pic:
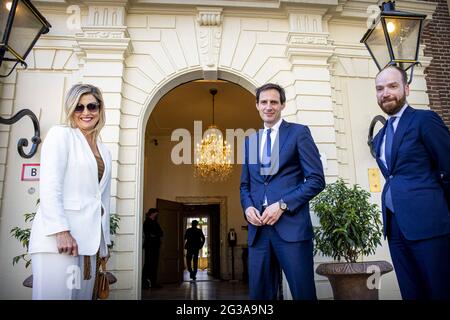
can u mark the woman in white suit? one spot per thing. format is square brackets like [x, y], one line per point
[72, 222]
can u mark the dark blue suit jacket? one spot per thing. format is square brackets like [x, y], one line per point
[419, 174]
[298, 179]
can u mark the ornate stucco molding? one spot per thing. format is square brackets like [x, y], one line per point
[308, 38]
[305, 38]
[209, 37]
[105, 30]
[209, 17]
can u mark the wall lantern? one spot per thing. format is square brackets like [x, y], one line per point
[393, 39]
[21, 25]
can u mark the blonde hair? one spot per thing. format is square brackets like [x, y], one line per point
[72, 99]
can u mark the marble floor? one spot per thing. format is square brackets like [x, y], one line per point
[204, 288]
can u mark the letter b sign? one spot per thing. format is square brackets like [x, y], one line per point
[30, 172]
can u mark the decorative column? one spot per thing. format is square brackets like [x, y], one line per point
[209, 36]
[103, 46]
[309, 50]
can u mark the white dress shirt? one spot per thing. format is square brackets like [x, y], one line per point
[395, 124]
[273, 134]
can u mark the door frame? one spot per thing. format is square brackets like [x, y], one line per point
[222, 201]
[213, 232]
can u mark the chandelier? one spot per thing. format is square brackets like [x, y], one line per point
[213, 162]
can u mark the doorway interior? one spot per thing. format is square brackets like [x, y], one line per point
[165, 178]
[208, 216]
[174, 218]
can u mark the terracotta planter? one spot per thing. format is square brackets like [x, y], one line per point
[349, 280]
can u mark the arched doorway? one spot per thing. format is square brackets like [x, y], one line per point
[163, 179]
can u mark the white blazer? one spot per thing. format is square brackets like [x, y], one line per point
[71, 197]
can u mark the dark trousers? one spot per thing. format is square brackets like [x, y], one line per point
[151, 261]
[422, 266]
[192, 255]
[267, 254]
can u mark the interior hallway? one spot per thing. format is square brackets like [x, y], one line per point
[204, 288]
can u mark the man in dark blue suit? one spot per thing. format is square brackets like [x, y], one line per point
[282, 171]
[413, 153]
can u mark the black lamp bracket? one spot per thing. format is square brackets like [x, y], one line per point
[35, 140]
[370, 136]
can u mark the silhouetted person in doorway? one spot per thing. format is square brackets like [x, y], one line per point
[195, 239]
[152, 243]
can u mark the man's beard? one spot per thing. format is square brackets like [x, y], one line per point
[392, 108]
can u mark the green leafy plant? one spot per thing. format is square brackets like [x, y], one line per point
[350, 226]
[23, 235]
[114, 220]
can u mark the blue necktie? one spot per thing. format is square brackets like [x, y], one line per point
[267, 151]
[265, 161]
[388, 156]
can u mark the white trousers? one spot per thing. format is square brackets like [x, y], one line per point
[60, 277]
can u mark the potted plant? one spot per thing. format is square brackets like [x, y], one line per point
[350, 228]
[23, 235]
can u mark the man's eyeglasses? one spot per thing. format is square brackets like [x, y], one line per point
[92, 107]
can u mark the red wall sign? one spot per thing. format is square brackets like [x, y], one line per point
[30, 172]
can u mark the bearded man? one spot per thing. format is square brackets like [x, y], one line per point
[413, 153]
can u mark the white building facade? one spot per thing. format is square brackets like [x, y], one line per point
[136, 51]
